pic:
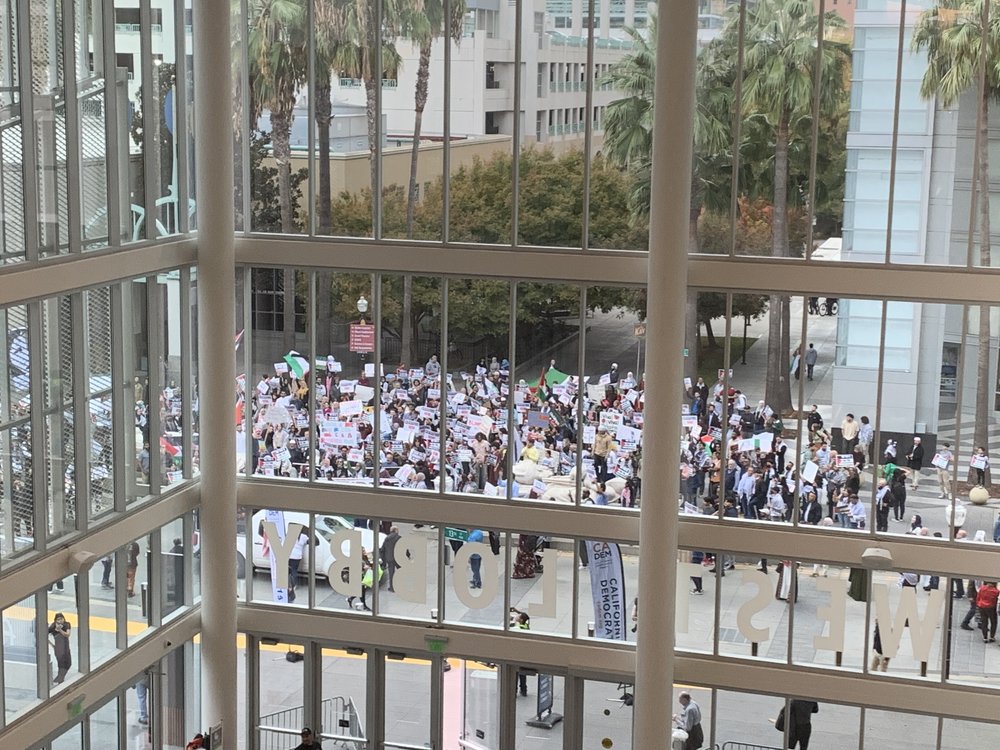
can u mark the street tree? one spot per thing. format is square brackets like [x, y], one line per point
[962, 40]
[780, 58]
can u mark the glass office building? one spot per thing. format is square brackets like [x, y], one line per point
[426, 459]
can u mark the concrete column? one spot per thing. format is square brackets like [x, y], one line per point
[213, 106]
[668, 247]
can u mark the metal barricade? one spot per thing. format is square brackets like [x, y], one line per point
[339, 716]
[746, 746]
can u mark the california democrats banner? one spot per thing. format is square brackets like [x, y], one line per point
[279, 581]
[607, 586]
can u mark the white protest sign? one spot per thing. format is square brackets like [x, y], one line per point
[351, 408]
[343, 433]
[348, 386]
[589, 433]
[356, 456]
[364, 393]
[809, 471]
[611, 419]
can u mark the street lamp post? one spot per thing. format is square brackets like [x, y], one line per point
[362, 305]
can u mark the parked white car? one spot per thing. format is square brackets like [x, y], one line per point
[325, 527]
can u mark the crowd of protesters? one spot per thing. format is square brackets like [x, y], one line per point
[485, 446]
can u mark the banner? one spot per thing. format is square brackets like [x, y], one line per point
[607, 587]
[279, 582]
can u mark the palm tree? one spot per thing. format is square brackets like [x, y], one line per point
[962, 39]
[780, 56]
[276, 42]
[426, 23]
[277, 54]
[628, 141]
[357, 57]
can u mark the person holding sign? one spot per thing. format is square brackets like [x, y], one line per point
[942, 462]
[980, 462]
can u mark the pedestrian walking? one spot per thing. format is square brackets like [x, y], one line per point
[810, 357]
[915, 461]
[986, 603]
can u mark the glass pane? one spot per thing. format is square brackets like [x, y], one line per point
[64, 630]
[607, 715]
[407, 702]
[536, 717]
[547, 370]
[409, 557]
[138, 573]
[104, 723]
[345, 337]
[615, 381]
[282, 354]
[138, 704]
[138, 442]
[599, 578]
[344, 692]
[478, 371]
[474, 588]
[172, 554]
[478, 693]
[410, 346]
[895, 731]
[20, 662]
[100, 457]
[278, 126]
[281, 694]
[103, 605]
[169, 359]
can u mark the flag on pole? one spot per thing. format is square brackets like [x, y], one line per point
[238, 339]
[297, 364]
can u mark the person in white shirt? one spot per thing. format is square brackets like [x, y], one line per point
[856, 513]
[295, 560]
[942, 462]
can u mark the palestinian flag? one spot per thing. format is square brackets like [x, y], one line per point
[297, 364]
[169, 448]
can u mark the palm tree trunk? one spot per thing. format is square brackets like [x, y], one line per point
[419, 103]
[983, 385]
[324, 224]
[778, 391]
[370, 101]
[281, 126]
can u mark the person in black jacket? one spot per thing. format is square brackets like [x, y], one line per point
[915, 461]
[800, 722]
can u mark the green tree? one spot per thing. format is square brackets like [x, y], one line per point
[962, 39]
[777, 93]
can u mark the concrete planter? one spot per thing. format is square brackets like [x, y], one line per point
[979, 495]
